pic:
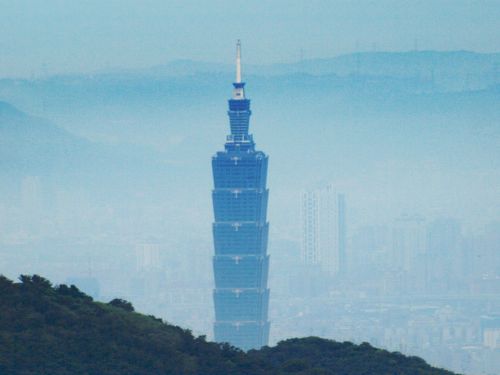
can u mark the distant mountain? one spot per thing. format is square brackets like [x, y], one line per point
[32, 146]
[18, 125]
[395, 63]
[173, 68]
[60, 330]
[453, 70]
[190, 82]
[152, 134]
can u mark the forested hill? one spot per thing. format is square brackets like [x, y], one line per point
[52, 330]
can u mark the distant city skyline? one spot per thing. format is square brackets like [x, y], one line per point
[127, 184]
[58, 37]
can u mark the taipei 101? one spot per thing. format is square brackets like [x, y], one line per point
[254, 188]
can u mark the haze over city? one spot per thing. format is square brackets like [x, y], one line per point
[381, 121]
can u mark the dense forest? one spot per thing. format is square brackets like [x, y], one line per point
[52, 330]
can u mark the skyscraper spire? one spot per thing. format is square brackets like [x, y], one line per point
[240, 230]
[238, 91]
[238, 61]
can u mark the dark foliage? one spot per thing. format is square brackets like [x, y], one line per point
[122, 304]
[46, 329]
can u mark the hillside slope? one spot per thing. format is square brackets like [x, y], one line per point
[47, 329]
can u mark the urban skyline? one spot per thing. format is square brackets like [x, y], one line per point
[106, 179]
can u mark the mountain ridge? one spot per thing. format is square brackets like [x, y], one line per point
[46, 329]
[189, 66]
[319, 66]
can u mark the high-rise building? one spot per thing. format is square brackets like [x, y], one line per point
[444, 249]
[369, 255]
[490, 327]
[240, 231]
[409, 257]
[324, 230]
[147, 257]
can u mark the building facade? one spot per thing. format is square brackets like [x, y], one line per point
[323, 230]
[240, 231]
[409, 258]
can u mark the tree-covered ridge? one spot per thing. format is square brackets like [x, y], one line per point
[52, 330]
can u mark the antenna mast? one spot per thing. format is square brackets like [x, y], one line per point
[238, 61]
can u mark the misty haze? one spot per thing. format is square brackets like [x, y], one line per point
[383, 175]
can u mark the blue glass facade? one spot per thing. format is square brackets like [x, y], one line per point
[240, 231]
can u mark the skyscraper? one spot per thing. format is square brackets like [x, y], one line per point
[323, 230]
[240, 230]
[444, 252]
[409, 253]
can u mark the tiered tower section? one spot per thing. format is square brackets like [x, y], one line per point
[240, 230]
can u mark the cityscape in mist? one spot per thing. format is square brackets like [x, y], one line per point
[383, 177]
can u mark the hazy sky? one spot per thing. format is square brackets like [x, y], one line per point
[49, 36]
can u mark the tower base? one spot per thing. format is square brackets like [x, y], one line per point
[244, 335]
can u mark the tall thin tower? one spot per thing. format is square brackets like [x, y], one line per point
[240, 230]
